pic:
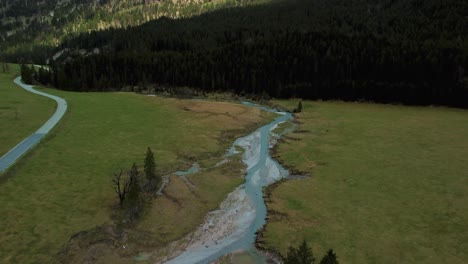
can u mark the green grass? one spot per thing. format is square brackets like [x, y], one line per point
[171, 219]
[168, 218]
[389, 184]
[21, 112]
[64, 185]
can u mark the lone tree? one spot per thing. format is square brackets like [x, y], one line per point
[329, 258]
[150, 169]
[302, 255]
[298, 109]
[121, 186]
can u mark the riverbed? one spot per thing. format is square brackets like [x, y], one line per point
[232, 228]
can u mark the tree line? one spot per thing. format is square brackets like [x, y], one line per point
[303, 255]
[31, 75]
[340, 50]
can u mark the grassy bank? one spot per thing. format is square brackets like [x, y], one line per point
[21, 112]
[64, 185]
[389, 184]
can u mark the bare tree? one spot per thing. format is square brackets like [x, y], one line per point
[122, 186]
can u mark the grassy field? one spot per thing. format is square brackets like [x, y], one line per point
[179, 211]
[172, 218]
[21, 112]
[388, 184]
[64, 185]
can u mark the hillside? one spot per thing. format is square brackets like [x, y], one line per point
[31, 29]
[411, 52]
[165, 152]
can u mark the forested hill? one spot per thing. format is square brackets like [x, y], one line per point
[30, 29]
[407, 51]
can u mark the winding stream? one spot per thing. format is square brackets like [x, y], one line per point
[232, 227]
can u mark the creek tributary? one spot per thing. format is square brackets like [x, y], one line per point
[232, 228]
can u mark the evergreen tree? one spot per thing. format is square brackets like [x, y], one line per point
[291, 257]
[133, 196]
[150, 169]
[301, 255]
[33, 73]
[4, 67]
[26, 74]
[304, 254]
[298, 108]
[43, 76]
[329, 258]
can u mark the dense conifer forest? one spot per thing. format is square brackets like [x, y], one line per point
[30, 30]
[390, 51]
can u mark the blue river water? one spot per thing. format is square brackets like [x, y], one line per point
[232, 228]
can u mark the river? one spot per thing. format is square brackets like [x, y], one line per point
[232, 228]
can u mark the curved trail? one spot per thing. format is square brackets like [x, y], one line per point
[28, 143]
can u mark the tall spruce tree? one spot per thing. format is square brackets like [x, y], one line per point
[301, 255]
[150, 169]
[291, 257]
[329, 258]
[304, 254]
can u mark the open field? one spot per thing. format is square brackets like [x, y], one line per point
[21, 112]
[172, 218]
[389, 184]
[64, 185]
[182, 208]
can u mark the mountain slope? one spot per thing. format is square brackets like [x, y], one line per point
[30, 28]
[384, 51]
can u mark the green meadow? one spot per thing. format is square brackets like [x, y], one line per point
[387, 184]
[64, 185]
[21, 112]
